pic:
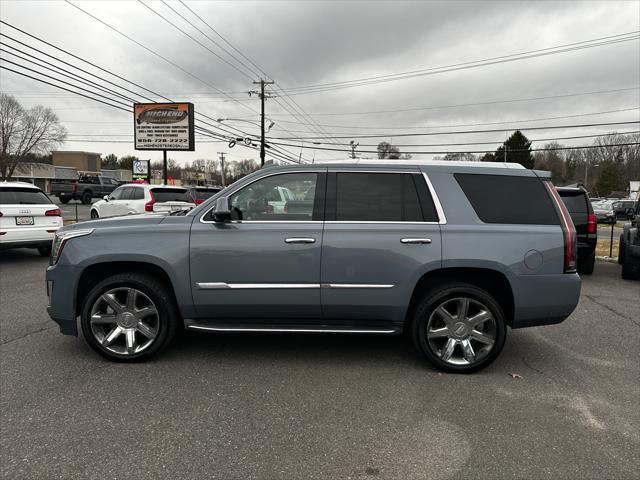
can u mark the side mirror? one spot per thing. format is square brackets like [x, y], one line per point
[106, 198]
[221, 212]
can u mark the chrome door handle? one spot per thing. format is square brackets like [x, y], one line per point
[415, 240]
[299, 240]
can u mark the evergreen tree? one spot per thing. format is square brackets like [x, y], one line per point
[518, 150]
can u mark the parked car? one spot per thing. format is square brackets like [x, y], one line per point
[629, 246]
[86, 188]
[449, 252]
[142, 198]
[604, 211]
[28, 218]
[623, 209]
[200, 194]
[584, 220]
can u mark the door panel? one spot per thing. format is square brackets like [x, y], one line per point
[248, 271]
[381, 234]
[264, 266]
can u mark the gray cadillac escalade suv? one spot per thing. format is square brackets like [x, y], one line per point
[451, 253]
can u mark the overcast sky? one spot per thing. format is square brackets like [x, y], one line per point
[307, 43]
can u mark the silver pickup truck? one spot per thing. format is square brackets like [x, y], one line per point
[450, 253]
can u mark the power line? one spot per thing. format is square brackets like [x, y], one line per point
[158, 55]
[462, 132]
[474, 104]
[612, 39]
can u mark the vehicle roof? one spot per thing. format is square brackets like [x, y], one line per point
[19, 184]
[411, 162]
[150, 186]
[571, 189]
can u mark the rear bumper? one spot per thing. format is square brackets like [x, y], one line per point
[31, 237]
[544, 299]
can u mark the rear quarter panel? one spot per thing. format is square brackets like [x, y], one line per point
[530, 256]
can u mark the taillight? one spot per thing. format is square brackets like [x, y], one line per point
[568, 231]
[75, 187]
[148, 207]
[53, 213]
[592, 224]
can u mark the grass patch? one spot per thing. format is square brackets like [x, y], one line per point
[602, 247]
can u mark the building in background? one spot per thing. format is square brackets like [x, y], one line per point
[634, 189]
[119, 174]
[81, 161]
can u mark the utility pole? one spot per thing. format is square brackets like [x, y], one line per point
[222, 154]
[261, 94]
[353, 148]
[164, 166]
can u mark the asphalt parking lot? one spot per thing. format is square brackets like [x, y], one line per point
[74, 210]
[320, 407]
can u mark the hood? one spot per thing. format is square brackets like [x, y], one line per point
[125, 221]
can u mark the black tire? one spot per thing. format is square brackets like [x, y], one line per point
[94, 214]
[434, 298]
[621, 250]
[160, 295]
[45, 251]
[64, 200]
[630, 268]
[586, 265]
[86, 198]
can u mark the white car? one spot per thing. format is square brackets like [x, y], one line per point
[137, 198]
[28, 218]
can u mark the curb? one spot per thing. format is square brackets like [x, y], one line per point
[607, 259]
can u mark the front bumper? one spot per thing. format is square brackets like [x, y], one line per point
[61, 292]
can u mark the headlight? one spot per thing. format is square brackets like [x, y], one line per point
[61, 238]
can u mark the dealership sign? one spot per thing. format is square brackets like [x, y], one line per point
[163, 126]
[141, 171]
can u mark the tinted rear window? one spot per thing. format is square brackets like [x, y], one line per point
[377, 197]
[204, 193]
[576, 202]
[171, 195]
[22, 196]
[508, 199]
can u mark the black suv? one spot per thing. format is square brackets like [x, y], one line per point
[581, 211]
[629, 253]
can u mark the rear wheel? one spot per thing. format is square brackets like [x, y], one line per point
[44, 251]
[587, 265]
[459, 328]
[128, 317]
[86, 198]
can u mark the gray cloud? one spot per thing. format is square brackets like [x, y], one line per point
[305, 43]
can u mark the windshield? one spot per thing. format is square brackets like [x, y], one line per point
[204, 193]
[171, 195]
[22, 196]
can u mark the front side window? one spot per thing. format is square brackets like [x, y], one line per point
[265, 199]
[382, 197]
[116, 194]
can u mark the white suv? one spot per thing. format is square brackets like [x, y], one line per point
[136, 198]
[28, 218]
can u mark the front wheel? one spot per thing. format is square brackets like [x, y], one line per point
[86, 198]
[128, 317]
[459, 328]
[94, 214]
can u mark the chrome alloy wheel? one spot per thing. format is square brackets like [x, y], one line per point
[461, 331]
[124, 321]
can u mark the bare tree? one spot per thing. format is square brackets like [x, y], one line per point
[24, 132]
